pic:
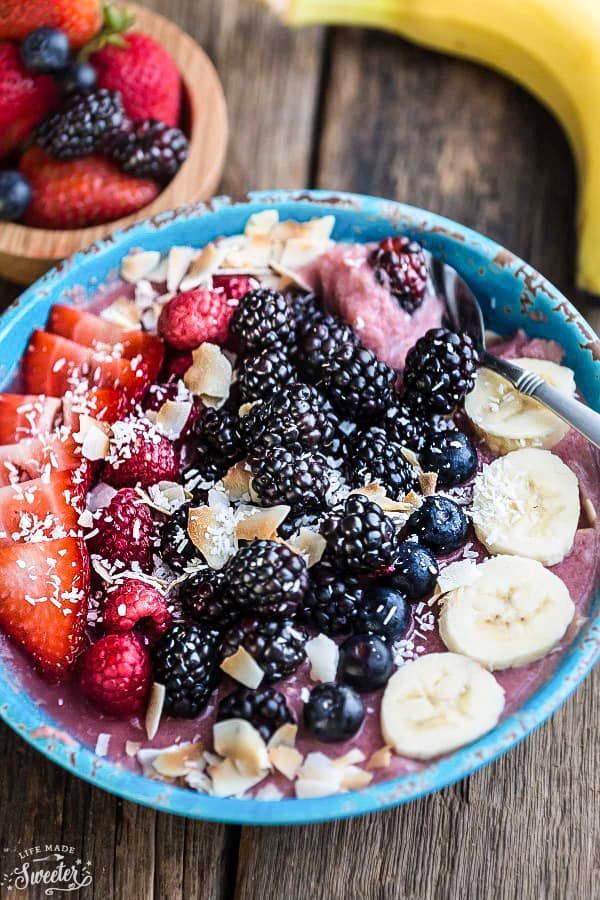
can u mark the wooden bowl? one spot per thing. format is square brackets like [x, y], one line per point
[26, 253]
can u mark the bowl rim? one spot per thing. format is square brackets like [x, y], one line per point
[28, 721]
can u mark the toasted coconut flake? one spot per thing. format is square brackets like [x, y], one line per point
[237, 480]
[590, 511]
[286, 760]
[243, 668]
[323, 654]
[93, 437]
[239, 741]
[460, 573]
[350, 758]
[309, 789]
[175, 762]
[209, 376]
[309, 544]
[298, 252]
[381, 759]
[428, 482]
[172, 417]
[411, 457]
[228, 781]
[209, 533]
[269, 792]
[198, 780]
[178, 262]
[154, 709]
[262, 222]
[413, 500]
[318, 229]
[253, 253]
[203, 266]
[124, 313]
[138, 265]
[158, 275]
[355, 779]
[256, 523]
[165, 496]
[319, 767]
[132, 748]
[376, 494]
[285, 736]
[245, 408]
[289, 276]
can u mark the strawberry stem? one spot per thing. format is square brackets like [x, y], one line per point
[116, 21]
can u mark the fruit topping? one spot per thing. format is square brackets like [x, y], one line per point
[294, 418]
[139, 455]
[366, 662]
[115, 674]
[44, 599]
[81, 126]
[43, 509]
[262, 374]
[300, 481]
[374, 457]
[185, 661]
[202, 599]
[123, 531]
[176, 547]
[265, 708]
[34, 457]
[25, 98]
[217, 440]
[357, 383]
[193, 317]
[384, 612]
[399, 265]
[45, 50]
[451, 455]
[415, 570]
[319, 338]
[77, 78]
[332, 600]
[265, 578]
[27, 415]
[276, 645]
[79, 19]
[440, 370]
[333, 712]
[15, 195]
[148, 149]
[360, 537]
[263, 318]
[131, 605]
[439, 524]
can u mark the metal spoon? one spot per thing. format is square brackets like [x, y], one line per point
[464, 314]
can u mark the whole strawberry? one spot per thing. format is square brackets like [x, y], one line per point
[144, 73]
[135, 604]
[79, 19]
[139, 455]
[196, 316]
[123, 531]
[115, 674]
[81, 192]
[25, 98]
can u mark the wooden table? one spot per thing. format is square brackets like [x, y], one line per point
[365, 112]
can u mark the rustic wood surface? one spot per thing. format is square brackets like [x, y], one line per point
[367, 112]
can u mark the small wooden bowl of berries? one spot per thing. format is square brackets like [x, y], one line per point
[106, 115]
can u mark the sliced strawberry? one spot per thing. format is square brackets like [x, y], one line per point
[55, 365]
[95, 332]
[103, 404]
[26, 415]
[44, 592]
[42, 509]
[31, 457]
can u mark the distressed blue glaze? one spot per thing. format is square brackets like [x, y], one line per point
[512, 294]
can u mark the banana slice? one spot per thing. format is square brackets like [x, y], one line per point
[514, 612]
[438, 703]
[506, 420]
[527, 504]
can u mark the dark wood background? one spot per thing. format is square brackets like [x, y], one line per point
[366, 112]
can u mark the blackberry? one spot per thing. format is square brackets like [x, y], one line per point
[360, 537]
[295, 521]
[186, 662]
[276, 645]
[305, 306]
[264, 708]
[148, 149]
[440, 370]
[411, 427]
[217, 440]
[319, 338]
[266, 578]
[263, 374]
[292, 419]
[357, 383]
[202, 601]
[263, 318]
[176, 548]
[374, 457]
[332, 600]
[81, 126]
[300, 481]
[399, 265]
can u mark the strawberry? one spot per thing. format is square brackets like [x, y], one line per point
[124, 531]
[193, 317]
[42, 509]
[139, 454]
[31, 457]
[115, 674]
[44, 599]
[144, 73]
[95, 332]
[26, 415]
[80, 192]
[24, 98]
[56, 365]
[135, 604]
[79, 19]
[103, 404]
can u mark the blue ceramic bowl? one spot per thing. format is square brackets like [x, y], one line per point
[513, 296]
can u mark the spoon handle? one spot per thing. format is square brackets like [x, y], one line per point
[576, 414]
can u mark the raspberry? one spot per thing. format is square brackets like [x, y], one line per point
[193, 317]
[134, 603]
[234, 286]
[139, 454]
[399, 264]
[115, 674]
[124, 531]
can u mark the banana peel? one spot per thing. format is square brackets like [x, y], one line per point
[551, 47]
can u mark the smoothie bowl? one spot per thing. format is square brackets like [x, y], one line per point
[272, 549]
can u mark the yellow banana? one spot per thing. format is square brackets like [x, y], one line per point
[552, 47]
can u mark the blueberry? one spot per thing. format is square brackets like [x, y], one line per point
[366, 662]
[452, 455]
[45, 50]
[15, 195]
[384, 612]
[415, 572]
[439, 524]
[333, 712]
[77, 78]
